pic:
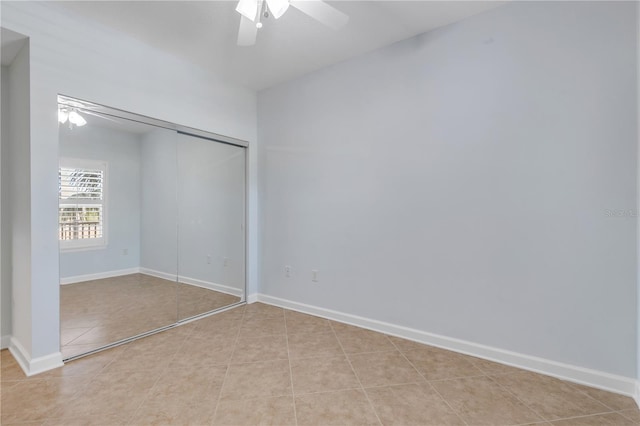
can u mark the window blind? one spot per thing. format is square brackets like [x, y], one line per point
[81, 208]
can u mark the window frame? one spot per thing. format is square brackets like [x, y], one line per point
[86, 243]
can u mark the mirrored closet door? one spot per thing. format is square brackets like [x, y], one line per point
[211, 197]
[151, 225]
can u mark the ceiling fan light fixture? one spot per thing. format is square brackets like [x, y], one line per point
[252, 11]
[278, 7]
[63, 115]
[77, 119]
[248, 8]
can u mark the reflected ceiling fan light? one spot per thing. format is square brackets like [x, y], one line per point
[77, 119]
[63, 115]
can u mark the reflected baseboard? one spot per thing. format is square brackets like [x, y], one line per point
[194, 282]
[5, 341]
[98, 276]
[158, 274]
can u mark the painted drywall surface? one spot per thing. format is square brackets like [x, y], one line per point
[87, 61]
[192, 208]
[18, 157]
[158, 207]
[121, 151]
[211, 200]
[5, 218]
[638, 197]
[209, 180]
[473, 182]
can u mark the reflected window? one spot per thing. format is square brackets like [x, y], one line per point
[81, 204]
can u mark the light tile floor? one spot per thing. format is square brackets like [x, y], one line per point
[262, 365]
[99, 312]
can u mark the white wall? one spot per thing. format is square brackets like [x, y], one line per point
[121, 151]
[202, 235]
[87, 61]
[193, 237]
[158, 208]
[5, 224]
[211, 199]
[638, 199]
[458, 183]
[17, 195]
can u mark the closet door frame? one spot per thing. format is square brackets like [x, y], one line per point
[92, 107]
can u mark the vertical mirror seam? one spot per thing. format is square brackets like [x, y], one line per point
[116, 218]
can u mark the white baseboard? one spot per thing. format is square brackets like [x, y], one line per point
[32, 366]
[594, 378]
[187, 280]
[193, 281]
[221, 288]
[98, 276]
[5, 341]
[252, 298]
[20, 354]
[158, 274]
[636, 396]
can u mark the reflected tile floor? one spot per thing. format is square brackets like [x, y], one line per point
[99, 312]
[262, 365]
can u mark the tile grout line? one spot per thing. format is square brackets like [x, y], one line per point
[120, 302]
[430, 385]
[575, 386]
[369, 352]
[622, 413]
[226, 373]
[293, 393]
[70, 343]
[541, 422]
[92, 378]
[493, 378]
[561, 418]
[134, 412]
[330, 391]
[586, 416]
[571, 385]
[518, 398]
[484, 374]
[362, 389]
[448, 379]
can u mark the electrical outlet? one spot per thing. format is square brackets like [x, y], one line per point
[208, 259]
[125, 252]
[287, 271]
[314, 275]
[225, 261]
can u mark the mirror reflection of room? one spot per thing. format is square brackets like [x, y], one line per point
[150, 226]
[211, 225]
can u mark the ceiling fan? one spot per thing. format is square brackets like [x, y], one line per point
[253, 11]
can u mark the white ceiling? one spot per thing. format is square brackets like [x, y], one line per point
[205, 32]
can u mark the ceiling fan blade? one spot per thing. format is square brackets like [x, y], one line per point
[248, 8]
[247, 32]
[278, 7]
[321, 12]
